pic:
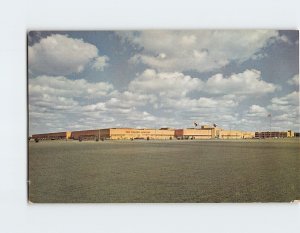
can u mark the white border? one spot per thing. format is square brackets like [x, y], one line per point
[16, 17]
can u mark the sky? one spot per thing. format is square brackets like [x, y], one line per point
[237, 79]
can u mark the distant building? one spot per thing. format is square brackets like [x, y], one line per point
[52, 136]
[275, 134]
[205, 132]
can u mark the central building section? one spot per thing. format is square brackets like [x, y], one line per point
[130, 133]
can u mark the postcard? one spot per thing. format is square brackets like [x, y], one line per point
[163, 116]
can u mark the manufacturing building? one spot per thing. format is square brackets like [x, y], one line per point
[205, 132]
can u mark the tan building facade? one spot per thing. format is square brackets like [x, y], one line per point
[129, 133]
[248, 135]
[193, 133]
[205, 132]
[211, 133]
[123, 134]
[230, 134]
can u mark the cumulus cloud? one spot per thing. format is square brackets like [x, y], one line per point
[202, 104]
[289, 99]
[128, 99]
[257, 111]
[61, 86]
[177, 84]
[183, 97]
[164, 84]
[255, 118]
[100, 63]
[294, 80]
[202, 50]
[247, 83]
[61, 55]
[61, 102]
[286, 110]
[288, 103]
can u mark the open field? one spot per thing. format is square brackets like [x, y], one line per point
[165, 171]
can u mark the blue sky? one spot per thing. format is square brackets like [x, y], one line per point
[165, 78]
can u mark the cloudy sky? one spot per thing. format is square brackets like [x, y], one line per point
[152, 79]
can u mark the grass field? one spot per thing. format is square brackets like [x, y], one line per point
[165, 171]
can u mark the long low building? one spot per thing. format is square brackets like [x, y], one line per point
[205, 132]
[275, 134]
[52, 136]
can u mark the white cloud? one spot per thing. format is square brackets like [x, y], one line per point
[294, 80]
[257, 111]
[61, 86]
[60, 103]
[247, 83]
[140, 117]
[100, 106]
[202, 50]
[186, 98]
[100, 63]
[61, 55]
[282, 117]
[164, 84]
[255, 118]
[128, 99]
[177, 84]
[52, 102]
[182, 98]
[202, 104]
[289, 99]
[286, 111]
